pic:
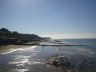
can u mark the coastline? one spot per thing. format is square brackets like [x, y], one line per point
[10, 47]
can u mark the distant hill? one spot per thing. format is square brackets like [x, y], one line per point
[13, 37]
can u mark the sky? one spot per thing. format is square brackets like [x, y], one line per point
[53, 18]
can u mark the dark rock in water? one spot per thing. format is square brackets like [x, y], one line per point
[73, 64]
[61, 61]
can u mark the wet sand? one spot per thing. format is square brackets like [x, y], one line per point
[7, 48]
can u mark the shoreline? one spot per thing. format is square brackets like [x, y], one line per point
[10, 47]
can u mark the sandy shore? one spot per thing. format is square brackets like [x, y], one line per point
[7, 48]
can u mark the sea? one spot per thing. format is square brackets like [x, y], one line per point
[33, 59]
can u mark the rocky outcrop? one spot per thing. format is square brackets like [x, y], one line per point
[61, 61]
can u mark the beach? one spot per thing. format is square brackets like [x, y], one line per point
[11, 47]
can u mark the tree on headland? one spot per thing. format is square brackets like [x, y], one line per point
[4, 31]
[14, 34]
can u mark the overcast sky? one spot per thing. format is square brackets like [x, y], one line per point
[55, 18]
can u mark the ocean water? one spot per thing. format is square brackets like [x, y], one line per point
[89, 42]
[33, 59]
[83, 58]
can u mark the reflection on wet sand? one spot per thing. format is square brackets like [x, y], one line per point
[11, 48]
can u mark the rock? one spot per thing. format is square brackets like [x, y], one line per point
[60, 60]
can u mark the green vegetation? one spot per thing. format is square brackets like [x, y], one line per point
[13, 37]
